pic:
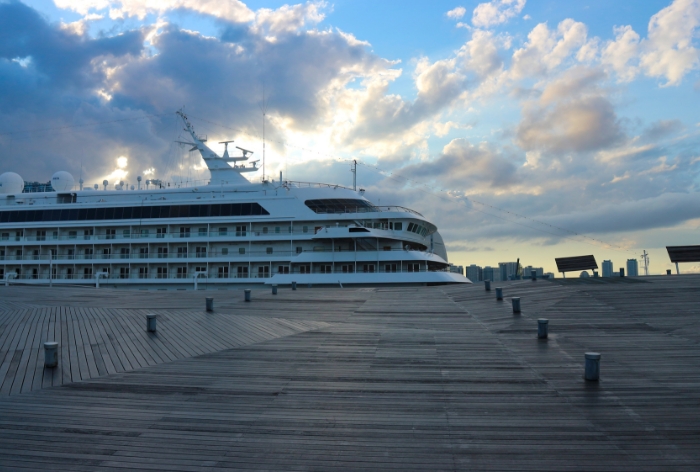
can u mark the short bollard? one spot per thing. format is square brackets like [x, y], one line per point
[487, 285]
[247, 294]
[51, 354]
[622, 271]
[542, 328]
[668, 271]
[274, 289]
[210, 304]
[499, 293]
[595, 274]
[294, 285]
[151, 323]
[516, 304]
[533, 275]
[592, 366]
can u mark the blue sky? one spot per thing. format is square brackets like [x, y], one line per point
[523, 128]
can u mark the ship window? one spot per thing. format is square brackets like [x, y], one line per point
[264, 230]
[241, 250]
[299, 249]
[224, 251]
[305, 229]
[398, 226]
[277, 229]
[269, 250]
[340, 205]
[125, 213]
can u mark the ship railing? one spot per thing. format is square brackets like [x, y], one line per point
[298, 184]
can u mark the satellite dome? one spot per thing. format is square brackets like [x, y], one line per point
[62, 181]
[11, 183]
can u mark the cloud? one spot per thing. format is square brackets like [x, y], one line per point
[661, 129]
[622, 54]
[571, 115]
[463, 164]
[496, 12]
[456, 13]
[547, 49]
[669, 50]
[230, 10]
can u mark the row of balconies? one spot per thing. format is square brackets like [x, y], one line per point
[269, 252]
[275, 232]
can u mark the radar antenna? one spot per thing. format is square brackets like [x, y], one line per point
[225, 143]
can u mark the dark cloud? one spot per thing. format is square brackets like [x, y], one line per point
[661, 129]
[53, 78]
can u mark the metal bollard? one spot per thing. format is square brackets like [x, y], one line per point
[487, 285]
[595, 274]
[592, 371]
[622, 271]
[247, 294]
[499, 293]
[516, 304]
[210, 304]
[151, 323]
[274, 289]
[294, 285]
[668, 271]
[51, 354]
[533, 275]
[542, 328]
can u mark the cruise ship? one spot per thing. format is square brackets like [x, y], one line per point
[231, 232]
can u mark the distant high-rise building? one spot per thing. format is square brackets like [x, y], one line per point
[456, 269]
[539, 271]
[607, 269]
[489, 273]
[475, 273]
[507, 269]
[632, 268]
[549, 275]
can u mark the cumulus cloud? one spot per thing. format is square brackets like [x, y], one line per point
[456, 13]
[667, 52]
[572, 114]
[547, 49]
[496, 12]
[230, 10]
[463, 164]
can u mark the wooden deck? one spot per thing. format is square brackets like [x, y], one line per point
[436, 378]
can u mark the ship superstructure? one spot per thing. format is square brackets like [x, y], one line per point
[229, 232]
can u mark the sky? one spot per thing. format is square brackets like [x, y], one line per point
[528, 129]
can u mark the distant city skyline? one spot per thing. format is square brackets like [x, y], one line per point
[528, 129]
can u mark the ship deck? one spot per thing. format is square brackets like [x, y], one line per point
[432, 378]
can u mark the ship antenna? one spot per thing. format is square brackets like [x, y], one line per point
[263, 108]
